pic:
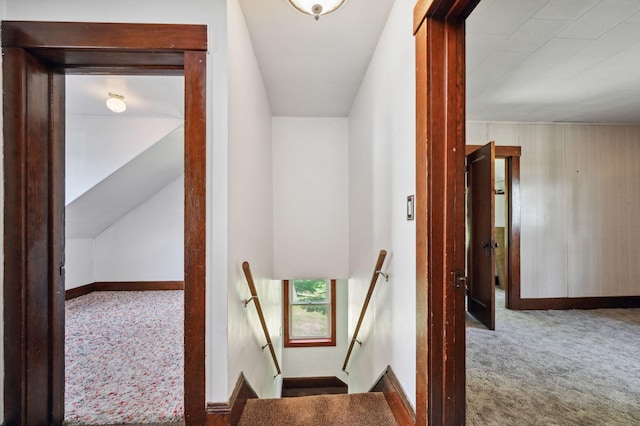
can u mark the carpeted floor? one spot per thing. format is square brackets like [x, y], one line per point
[578, 367]
[364, 409]
[124, 358]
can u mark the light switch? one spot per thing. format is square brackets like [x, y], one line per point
[410, 207]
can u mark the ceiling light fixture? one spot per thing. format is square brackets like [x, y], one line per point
[316, 8]
[116, 103]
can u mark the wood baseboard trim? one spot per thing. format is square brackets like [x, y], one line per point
[312, 382]
[228, 413]
[401, 408]
[72, 293]
[122, 286]
[563, 303]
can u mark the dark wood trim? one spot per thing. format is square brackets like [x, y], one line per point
[229, 413]
[396, 397]
[14, 148]
[98, 36]
[138, 285]
[195, 219]
[452, 10]
[561, 303]
[422, 230]
[513, 256]
[33, 167]
[512, 155]
[123, 286]
[57, 202]
[501, 151]
[312, 382]
[308, 343]
[440, 210]
[83, 290]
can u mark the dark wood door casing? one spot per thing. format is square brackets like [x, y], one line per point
[440, 210]
[36, 56]
[511, 155]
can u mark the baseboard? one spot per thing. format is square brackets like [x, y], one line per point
[72, 293]
[396, 397]
[228, 413]
[562, 303]
[312, 382]
[122, 286]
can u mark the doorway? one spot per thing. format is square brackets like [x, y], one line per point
[124, 192]
[37, 55]
[507, 197]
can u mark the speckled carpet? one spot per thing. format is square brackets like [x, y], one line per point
[579, 367]
[124, 358]
[360, 409]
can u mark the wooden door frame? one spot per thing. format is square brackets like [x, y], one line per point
[511, 156]
[34, 378]
[439, 29]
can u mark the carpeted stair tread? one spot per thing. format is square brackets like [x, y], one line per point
[362, 409]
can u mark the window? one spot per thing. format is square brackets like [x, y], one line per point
[309, 313]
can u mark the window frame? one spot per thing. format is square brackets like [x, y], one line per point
[310, 341]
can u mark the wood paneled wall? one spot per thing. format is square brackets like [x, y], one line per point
[580, 192]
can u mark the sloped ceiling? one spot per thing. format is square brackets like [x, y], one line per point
[128, 187]
[117, 161]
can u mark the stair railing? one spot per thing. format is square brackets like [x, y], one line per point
[377, 271]
[256, 301]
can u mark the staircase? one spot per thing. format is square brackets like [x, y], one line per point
[363, 409]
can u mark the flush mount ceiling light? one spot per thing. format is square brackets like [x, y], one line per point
[316, 8]
[116, 103]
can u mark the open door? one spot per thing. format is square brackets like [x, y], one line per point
[481, 296]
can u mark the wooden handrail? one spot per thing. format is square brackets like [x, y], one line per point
[376, 273]
[256, 302]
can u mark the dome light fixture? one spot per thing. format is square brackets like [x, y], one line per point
[116, 103]
[316, 8]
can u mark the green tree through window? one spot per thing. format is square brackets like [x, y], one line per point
[309, 312]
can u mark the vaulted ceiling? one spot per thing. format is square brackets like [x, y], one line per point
[114, 162]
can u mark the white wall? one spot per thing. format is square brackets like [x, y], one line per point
[579, 206]
[213, 14]
[147, 244]
[326, 360]
[250, 216]
[79, 262]
[98, 146]
[381, 176]
[310, 198]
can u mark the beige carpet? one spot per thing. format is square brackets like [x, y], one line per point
[578, 367]
[365, 409]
